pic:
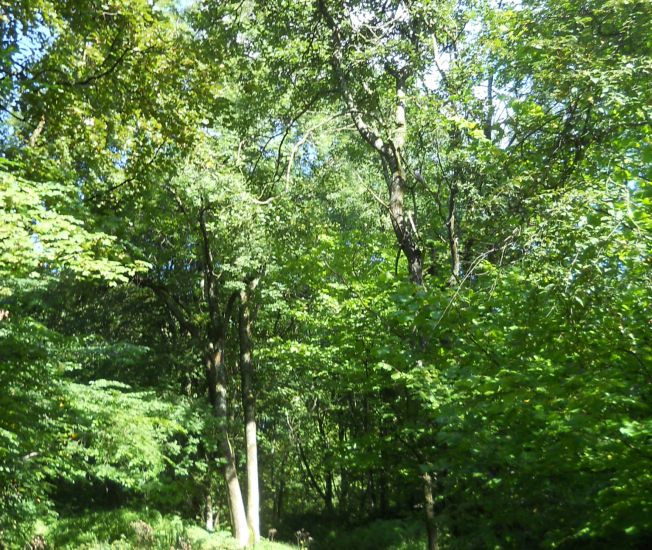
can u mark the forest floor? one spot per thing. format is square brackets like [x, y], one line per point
[126, 529]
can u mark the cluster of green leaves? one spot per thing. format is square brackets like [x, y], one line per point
[40, 239]
[73, 133]
[55, 433]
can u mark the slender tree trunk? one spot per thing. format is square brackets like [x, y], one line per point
[210, 514]
[328, 475]
[217, 383]
[343, 500]
[390, 150]
[329, 492]
[383, 488]
[218, 395]
[431, 524]
[402, 221]
[344, 474]
[453, 236]
[371, 491]
[249, 407]
[489, 115]
[278, 502]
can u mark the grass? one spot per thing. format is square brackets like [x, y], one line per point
[395, 534]
[222, 540]
[127, 529]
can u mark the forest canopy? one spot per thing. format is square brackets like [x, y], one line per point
[369, 274]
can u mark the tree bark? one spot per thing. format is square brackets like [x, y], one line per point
[328, 468]
[218, 395]
[249, 407]
[217, 383]
[387, 396]
[489, 115]
[453, 236]
[431, 524]
[390, 150]
[278, 502]
[210, 513]
[402, 222]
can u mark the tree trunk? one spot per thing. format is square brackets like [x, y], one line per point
[390, 150]
[218, 395]
[278, 502]
[383, 489]
[217, 383]
[329, 492]
[429, 501]
[489, 115]
[453, 236]
[210, 514]
[402, 221]
[328, 474]
[249, 407]
[344, 474]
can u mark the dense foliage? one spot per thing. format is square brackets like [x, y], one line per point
[378, 270]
